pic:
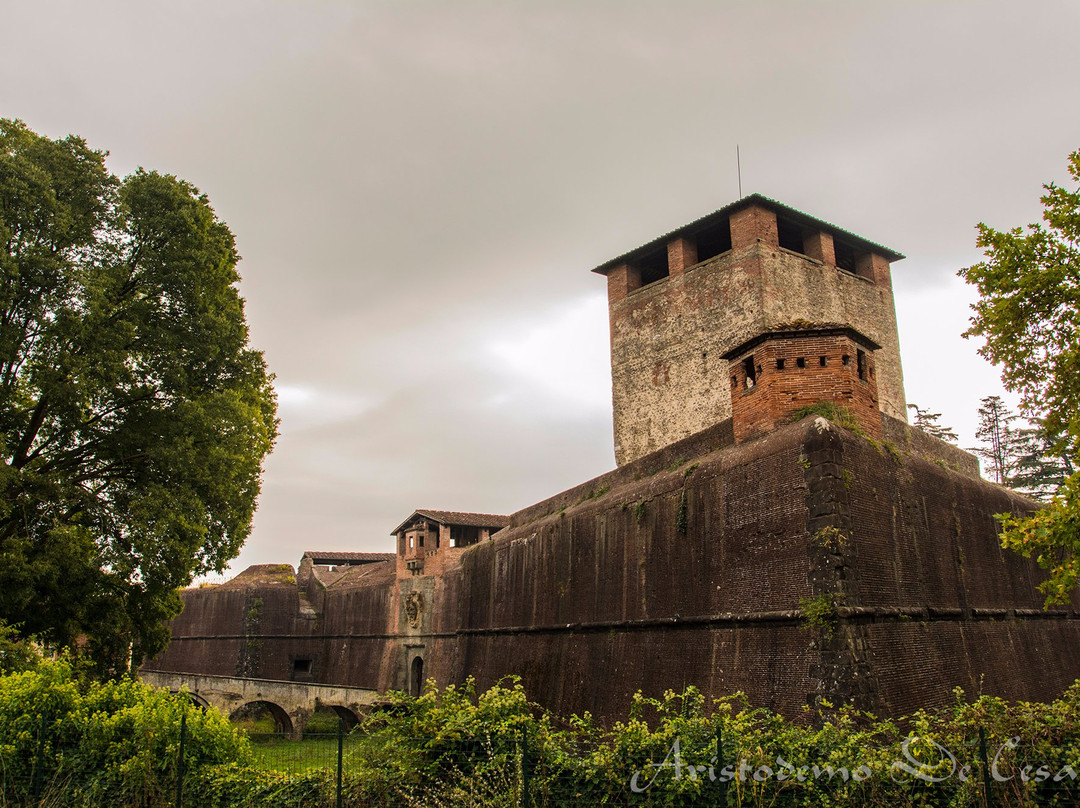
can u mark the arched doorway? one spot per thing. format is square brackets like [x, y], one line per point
[416, 677]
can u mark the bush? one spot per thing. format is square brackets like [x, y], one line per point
[113, 743]
[16, 654]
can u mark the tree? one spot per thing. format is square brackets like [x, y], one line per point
[998, 437]
[1029, 316]
[134, 417]
[1039, 467]
[1024, 458]
[928, 422]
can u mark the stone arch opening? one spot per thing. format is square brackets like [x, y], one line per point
[252, 711]
[350, 718]
[196, 699]
[327, 717]
[416, 677]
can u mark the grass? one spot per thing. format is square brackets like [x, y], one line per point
[279, 754]
[841, 416]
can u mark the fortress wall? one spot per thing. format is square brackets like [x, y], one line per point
[258, 629]
[218, 630]
[918, 663]
[609, 596]
[605, 589]
[925, 536]
[362, 609]
[914, 441]
[601, 599]
[199, 654]
[599, 671]
[624, 554]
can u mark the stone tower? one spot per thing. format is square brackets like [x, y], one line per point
[684, 305]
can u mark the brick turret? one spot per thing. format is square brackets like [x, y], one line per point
[778, 373]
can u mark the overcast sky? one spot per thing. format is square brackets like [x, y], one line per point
[419, 190]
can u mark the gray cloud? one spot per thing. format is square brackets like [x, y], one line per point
[419, 190]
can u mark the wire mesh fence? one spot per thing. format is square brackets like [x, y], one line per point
[510, 768]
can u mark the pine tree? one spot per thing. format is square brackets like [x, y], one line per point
[999, 439]
[1038, 469]
[928, 422]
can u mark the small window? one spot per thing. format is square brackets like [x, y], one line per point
[713, 240]
[823, 360]
[845, 359]
[845, 255]
[860, 363]
[801, 362]
[779, 364]
[653, 266]
[750, 371]
[301, 666]
[790, 235]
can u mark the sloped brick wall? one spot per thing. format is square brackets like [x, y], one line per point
[657, 576]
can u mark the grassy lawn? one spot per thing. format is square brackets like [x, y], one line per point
[276, 753]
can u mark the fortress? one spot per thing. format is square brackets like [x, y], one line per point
[744, 542]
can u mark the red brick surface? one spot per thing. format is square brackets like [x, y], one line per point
[777, 393]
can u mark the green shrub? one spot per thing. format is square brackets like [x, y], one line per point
[115, 744]
[111, 743]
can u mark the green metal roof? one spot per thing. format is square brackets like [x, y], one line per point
[791, 213]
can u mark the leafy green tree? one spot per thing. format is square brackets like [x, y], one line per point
[134, 417]
[928, 422]
[1029, 315]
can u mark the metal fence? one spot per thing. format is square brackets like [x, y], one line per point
[516, 770]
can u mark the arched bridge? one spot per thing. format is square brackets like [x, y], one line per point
[290, 703]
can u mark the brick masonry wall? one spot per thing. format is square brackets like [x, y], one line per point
[257, 630]
[777, 393]
[691, 572]
[606, 598]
